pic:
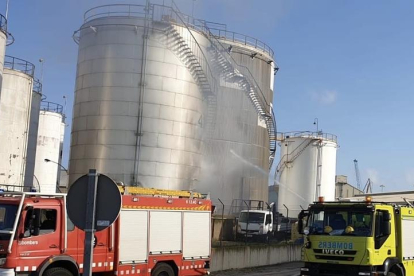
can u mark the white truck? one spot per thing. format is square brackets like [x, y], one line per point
[263, 224]
[255, 224]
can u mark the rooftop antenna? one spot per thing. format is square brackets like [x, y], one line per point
[7, 8]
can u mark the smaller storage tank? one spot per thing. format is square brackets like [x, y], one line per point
[48, 146]
[15, 111]
[306, 170]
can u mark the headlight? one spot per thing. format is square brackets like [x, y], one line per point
[2, 261]
[306, 231]
[261, 230]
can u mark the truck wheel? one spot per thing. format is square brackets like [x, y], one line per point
[163, 269]
[57, 271]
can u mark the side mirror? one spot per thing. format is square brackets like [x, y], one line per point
[301, 216]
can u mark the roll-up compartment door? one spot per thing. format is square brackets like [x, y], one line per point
[196, 235]
[165, 232]
[133, 236]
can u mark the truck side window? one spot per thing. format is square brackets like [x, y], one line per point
[47, 221]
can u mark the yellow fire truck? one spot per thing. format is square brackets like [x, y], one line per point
[358, 238]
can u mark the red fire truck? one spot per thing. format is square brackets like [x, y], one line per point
[158, 233]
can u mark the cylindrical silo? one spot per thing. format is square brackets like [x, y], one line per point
[3, 43]
[306, 170]
[29, 180]
[15, 110]
[48, 146]
[161, 102]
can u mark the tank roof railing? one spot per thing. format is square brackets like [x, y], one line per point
[132, 10]
[3, 24]
[19, 65]
[243, 39]
[308, 134]
[37, 86]
[219, 30]
[52, 107]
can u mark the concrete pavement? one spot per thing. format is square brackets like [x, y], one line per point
[288, 269]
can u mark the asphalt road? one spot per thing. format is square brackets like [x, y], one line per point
[289, 269]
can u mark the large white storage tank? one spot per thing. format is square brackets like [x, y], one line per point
[49, 146]
[306, 170]
[15, 111]
[162, 104]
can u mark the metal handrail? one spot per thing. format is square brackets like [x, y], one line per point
[99, 11]
[243, 39]
[19, 65]
[52, 107]
[196, 48]
[309, 134]
[37, 86]
[3, 24]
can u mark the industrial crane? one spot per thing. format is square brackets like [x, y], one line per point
[368, 186]
[358, 177]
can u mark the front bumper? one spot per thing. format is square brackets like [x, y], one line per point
[312, 269]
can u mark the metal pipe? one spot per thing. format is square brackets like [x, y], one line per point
[13, 234]
[247, 222]
[222, 222]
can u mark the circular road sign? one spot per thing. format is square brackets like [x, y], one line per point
[108, 202]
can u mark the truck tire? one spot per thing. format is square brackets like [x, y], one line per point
[163, 269]
[57, 271]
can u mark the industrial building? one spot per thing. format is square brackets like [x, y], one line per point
[165, 100]
[343, 189]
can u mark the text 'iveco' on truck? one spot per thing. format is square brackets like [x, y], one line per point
[160, 233]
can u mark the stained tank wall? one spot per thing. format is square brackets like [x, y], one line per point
[48, 147]
[230, 163]
[3, 42]
[32, 141]
[298, 178]
[15, 107]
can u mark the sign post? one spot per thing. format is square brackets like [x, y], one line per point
[93, 204]
[89, 222]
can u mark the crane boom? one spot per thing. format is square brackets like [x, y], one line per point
[358, 177]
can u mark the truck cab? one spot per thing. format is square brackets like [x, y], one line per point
[355, 238]
[255, 224]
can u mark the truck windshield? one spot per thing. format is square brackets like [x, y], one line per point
[7, 216]
[337, 222]
[252, 217]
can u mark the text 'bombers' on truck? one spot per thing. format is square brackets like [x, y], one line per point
[159, 233]
[358, 238]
